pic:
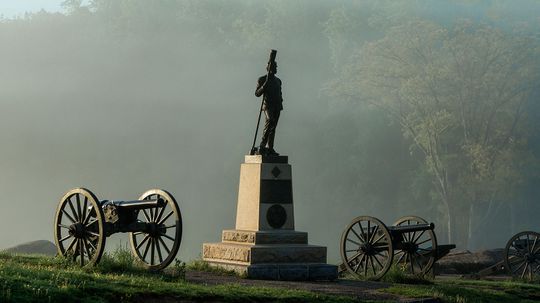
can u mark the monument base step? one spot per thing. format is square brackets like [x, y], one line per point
[282, 271]
[265, 237]
[250, 254]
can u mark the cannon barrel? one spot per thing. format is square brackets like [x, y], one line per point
[136, 204]
[412, 228]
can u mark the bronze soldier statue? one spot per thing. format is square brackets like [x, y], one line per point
[269, 86]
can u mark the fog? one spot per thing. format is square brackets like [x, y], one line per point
[123, 96]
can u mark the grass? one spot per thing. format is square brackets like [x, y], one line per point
[26, 278]
[200, 265]
[120, 278]
[459, 290]
[467, 291]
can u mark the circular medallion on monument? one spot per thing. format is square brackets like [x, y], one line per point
[276, 216]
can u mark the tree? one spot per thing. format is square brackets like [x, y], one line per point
[459, 97]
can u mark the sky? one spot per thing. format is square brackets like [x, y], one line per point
[16, 8]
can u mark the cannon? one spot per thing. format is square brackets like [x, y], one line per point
[83, 222]
[521, 257]
[369, 248]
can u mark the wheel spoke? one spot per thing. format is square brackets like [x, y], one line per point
[372, 265]
[160, 213]
[379, 239]
[411, 238]
[357, 235]
[164, 245]
[362, 230]
[368, 236]
[416, 259]
[87, 249]
[377, 259]
[517, 268]
[81, 252]
[142, 241]
[152, 215]
[373, 234]
[146, 216]
[352, 241]
[169, 237]
[79, 210]
[148, 243]
[75, 214]
[166, 217]
[152, 252]
[365, 266]
[69, 217]
[63, 226]
[64, 238]
[427, 240]
[84, 209]
[92, 233]
[92, 244]
[70, 246]
[419, 236]
[167, 227]
[158, 251]
[401, 258]
[524, 270]
[359, 263]
[90, 223]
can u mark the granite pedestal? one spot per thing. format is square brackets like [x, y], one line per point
[264, 244]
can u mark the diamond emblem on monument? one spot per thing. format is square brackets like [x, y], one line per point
[276, 172]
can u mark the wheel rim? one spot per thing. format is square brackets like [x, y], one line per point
[417, 253]
[366, 248]
[157, 247]
[78, 231]
[522, 255]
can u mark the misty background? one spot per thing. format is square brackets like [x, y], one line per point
[391, 108]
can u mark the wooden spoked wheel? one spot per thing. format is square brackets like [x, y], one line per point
[157, 246]
[416, 253]
[79, 227]
[366, 248]
[522, 255]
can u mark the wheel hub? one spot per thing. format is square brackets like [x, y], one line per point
[154, 229]
[368, 249]
[77, 230]
[410, 247]
[531, 258]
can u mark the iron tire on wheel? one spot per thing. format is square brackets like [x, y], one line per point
[425, 242]
[79, 222]
[522, 255]
[167, 226]
[366, 240]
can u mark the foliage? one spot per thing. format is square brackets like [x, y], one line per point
[459, 96]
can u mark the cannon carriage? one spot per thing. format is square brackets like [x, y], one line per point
[154, 224]
[369, 248]
[521, 257]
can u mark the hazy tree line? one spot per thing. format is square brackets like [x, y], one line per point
[402, 107]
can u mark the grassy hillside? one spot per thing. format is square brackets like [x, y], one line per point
[26, 278]
[42, 247]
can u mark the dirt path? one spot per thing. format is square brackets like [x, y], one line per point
[362, 290]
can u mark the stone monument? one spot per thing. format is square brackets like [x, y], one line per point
[264, 244]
